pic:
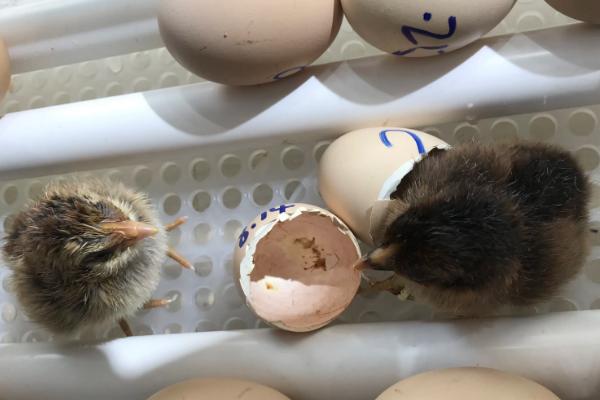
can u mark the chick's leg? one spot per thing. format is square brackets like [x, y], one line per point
[394, 285]
[125, 327]
[172, 253]
[158, 303]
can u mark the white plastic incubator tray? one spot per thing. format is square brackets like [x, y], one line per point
[222, 185]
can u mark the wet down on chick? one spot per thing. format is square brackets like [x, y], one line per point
[86, 254]
[476, 228]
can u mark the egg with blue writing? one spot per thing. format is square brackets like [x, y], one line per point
[294, 265]
[248, 42]
[218, 388]
[467, 384]
[582, 10]
[410, 28]
[363, 167]
[4, 69]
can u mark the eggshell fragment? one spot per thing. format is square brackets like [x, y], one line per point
[295, 267]
[248, 42]
[4, 69]
[221, 389]
[582, 10]
[424, 28]
[365, 166]
[467, 384]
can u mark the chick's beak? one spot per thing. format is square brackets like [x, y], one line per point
[131, 230]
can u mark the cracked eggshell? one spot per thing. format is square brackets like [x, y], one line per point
[424, 28]
[467, 384]
[218, 388]
[364, 166]
[4, 69]
[582, 10]
[248, 42]
[294, 265]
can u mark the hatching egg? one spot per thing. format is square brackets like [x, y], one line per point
[467, 384]
[365, 166]
[248, 42]
[295, 266]
[424, 28]
[218, 388]
[4, 69]
[582, 10]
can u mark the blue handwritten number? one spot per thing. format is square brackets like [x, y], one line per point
[410, 31]
[386, 141]
[263, 216]
[244, 237]
[282, 208]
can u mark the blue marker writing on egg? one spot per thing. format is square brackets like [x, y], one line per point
[383, 136]
[410, 31]
[282, 209]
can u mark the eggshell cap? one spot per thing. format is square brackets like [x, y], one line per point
[467, 384]
[424, 28]
[248, 42]
[295, 267]
[4, 69]
[221, 389]
[366, 165]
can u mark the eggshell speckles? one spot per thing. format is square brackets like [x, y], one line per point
[296, 270]
[423, 28]
[222, 389]
[467, 384]
[248, 42]
[4, 69]
[583, 10]
[366, 165]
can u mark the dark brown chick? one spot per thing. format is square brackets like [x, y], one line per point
[479, 227]
[85, 254]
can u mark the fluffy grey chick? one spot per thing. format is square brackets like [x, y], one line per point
[87, 253]
[476, 228]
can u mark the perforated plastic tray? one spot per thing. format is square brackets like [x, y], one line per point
[220, 192]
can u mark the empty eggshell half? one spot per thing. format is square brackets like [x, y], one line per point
[218, 388]
[467, 384]
[4, 69]
[365, 166]
[424, 28]
[248, 42]
[295, 267]
[582, 10]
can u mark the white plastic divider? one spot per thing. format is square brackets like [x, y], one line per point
[542, 70]
[350, 362]
[51, 33]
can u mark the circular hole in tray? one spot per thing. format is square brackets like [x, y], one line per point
[172, 204]
[9, 312]
[262, 194]
[171, 270]
[542, 127]
[232, 198]
[142, 177]
[466, 133]
[206, 326]
[6, 284]
[202, 233]
[205, 298]
[176, 304]
[35, 189]
[11, 194]
[294, 191]
[232, 296]
[203, 266]
[143, 330]
[7, 222]
[259, 161]
[230, 166]
[582, 122]
[171, 173]
[235, 324]
[200, 169]
[319, 150]
[504, 131]
[588, 158]
[172, 328]
[232, 230]
[592, 271]
[201, 201]
[293, 158]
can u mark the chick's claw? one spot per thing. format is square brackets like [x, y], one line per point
[125, 327]
[181, 260]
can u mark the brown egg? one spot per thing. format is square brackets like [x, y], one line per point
[218, 388]
[294, 266]
[4, 69]
[582, 10]
[467, 384]
[364, 167]
[424, 28]
[248, 42]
